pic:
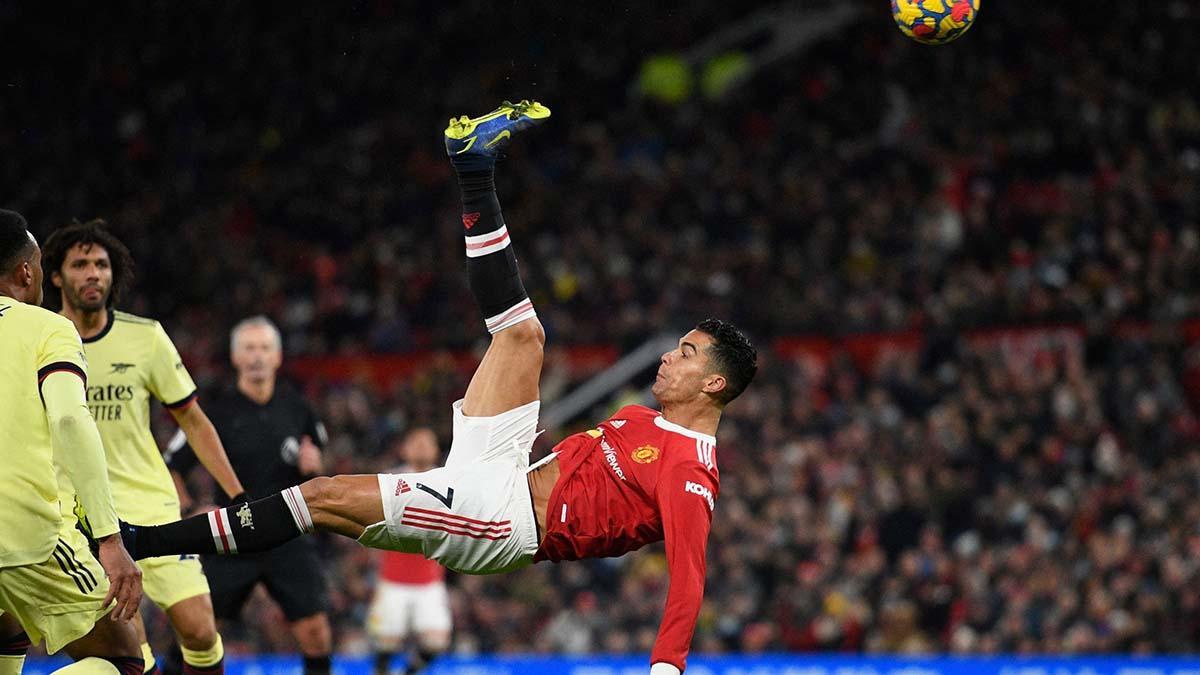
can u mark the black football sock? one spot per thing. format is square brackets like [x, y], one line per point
[318, 665]
[420, 661]
[383, 662]
[15, 645]
[492, 271]
[12, 652]
[480, 205]
[255, 527]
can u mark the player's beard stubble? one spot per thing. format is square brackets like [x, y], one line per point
[87, 298]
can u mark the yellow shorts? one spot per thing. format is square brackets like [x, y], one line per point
[59, 599]
[169, 579]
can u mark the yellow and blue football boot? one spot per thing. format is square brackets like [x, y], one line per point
[487, 135]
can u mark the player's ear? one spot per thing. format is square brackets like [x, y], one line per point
[25, 273]
[56, 278]
[715, 383]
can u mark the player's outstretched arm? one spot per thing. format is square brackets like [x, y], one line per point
[79, 451]
[686, 497]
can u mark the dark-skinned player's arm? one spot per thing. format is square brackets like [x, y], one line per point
[79, 451]
[686, 497]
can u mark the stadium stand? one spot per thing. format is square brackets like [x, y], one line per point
[977, 429]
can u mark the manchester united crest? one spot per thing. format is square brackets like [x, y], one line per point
[646, 454]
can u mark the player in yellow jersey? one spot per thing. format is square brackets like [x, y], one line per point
[133, 361]
[51, 586]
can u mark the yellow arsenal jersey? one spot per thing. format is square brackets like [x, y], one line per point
[132, 360]
[33, 344]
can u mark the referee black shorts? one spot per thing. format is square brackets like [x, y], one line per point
[292, 574]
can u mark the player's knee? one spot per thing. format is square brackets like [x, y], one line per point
[198, 637]
[320, 492]
[434, 642]
[529, 334]
[314, 634]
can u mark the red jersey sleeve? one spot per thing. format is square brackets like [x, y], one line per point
[686, 498]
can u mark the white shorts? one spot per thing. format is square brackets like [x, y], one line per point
[400, 610]
[474, 515]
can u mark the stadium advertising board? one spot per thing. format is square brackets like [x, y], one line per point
[764, 665]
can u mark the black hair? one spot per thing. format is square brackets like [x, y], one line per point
[54, 254]
[15, 244]
[733, 355]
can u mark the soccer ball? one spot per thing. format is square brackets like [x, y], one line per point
[935, 22]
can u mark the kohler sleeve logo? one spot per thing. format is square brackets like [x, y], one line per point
[698, 489]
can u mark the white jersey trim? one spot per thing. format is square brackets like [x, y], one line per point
[679, 429]
[704, 453]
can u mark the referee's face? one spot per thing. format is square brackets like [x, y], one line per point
[256, 353]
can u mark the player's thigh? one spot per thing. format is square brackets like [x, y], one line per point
[169, 580]
[9, 626]
[505, 436]
[295, 579]
[108, 637]
[475, 519]
[60, 599]
[231, 579]
[433, 620]
[509, 373]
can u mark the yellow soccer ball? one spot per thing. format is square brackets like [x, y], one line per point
[935, 22]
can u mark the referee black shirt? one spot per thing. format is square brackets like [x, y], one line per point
[262, 441]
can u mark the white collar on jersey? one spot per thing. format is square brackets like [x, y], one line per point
[671, 426]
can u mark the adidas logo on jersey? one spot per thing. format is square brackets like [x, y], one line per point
[698, 489]
[401, 487]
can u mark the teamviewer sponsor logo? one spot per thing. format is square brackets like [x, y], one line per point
[611, 456]
[698, 489]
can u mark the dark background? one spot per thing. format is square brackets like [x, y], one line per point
[286, 158]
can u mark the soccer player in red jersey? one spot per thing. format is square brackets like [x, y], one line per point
[640, 477]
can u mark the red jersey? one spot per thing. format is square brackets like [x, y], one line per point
[635, 480]
[409, 568]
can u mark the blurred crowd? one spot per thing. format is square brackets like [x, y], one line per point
[1042, 170]
[294, 164]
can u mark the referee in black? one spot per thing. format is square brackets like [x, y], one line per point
[274, 441]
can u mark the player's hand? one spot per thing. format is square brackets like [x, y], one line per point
[124, 578]
[309, 461]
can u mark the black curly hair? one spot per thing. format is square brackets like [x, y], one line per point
[15, 244]
[733, 355]
[95, 231]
